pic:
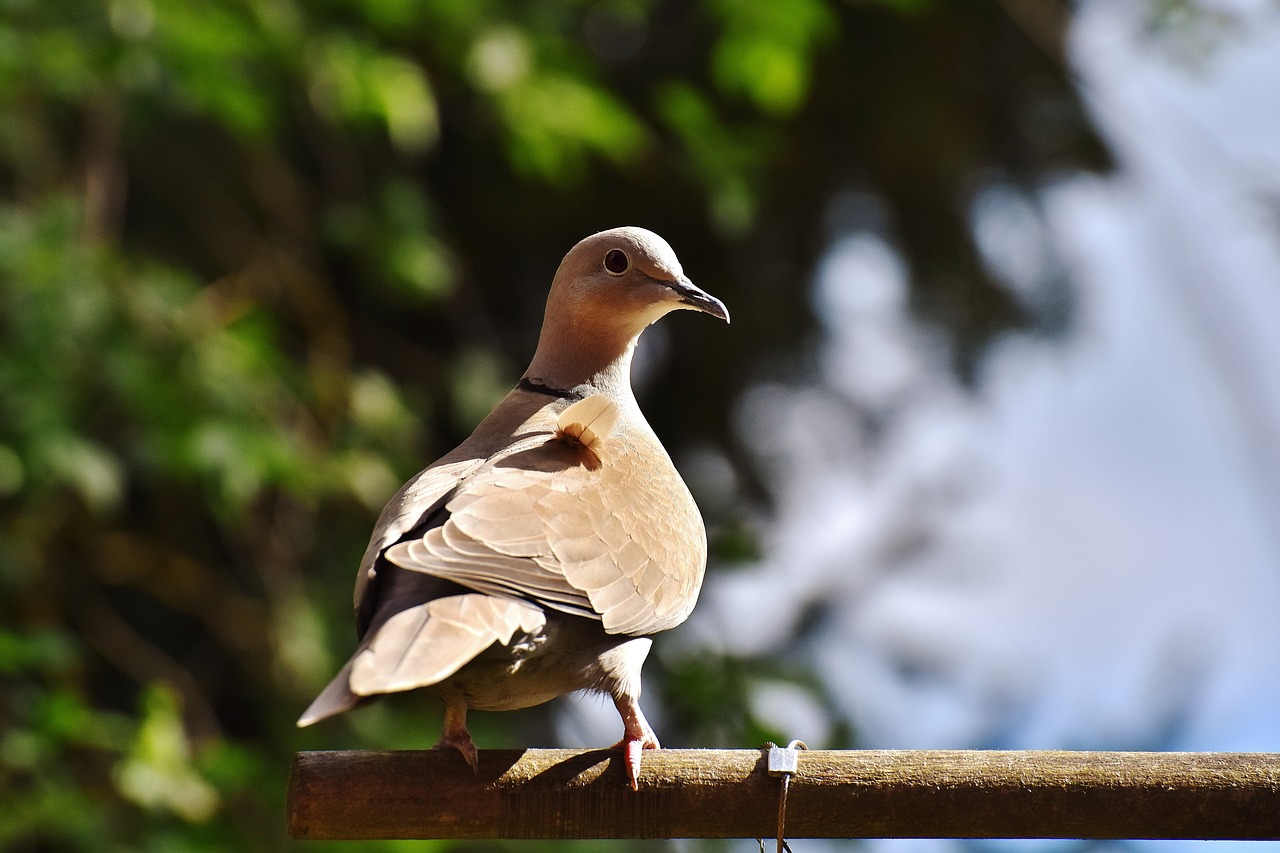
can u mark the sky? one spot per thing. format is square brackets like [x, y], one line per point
[1083, 551]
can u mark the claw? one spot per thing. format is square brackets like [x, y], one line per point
[637, 736]
[631, 752]
[465, 746]
[456, 736]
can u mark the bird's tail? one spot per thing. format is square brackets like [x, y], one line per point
[334, 699]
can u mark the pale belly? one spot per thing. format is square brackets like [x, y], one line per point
[572, 653]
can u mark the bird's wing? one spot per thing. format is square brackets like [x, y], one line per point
[587, 521]
[430, 642]
[505, 430]
[424, 644]
[410, 507]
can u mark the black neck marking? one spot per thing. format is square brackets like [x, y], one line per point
[527, 384]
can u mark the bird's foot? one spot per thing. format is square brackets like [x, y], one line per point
[631, 752]
[456, 736]
[637, 735]
[464, 745]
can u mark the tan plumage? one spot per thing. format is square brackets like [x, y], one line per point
[536, 558]
[585, 425]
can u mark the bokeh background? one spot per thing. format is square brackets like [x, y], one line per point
[990, 456]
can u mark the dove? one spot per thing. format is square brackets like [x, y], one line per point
[539, 556]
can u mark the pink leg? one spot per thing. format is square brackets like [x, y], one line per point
[455, 734]
[637, 735]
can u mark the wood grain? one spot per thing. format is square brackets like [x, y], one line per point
[557, 793]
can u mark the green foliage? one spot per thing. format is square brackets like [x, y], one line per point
[729, 160]
[157, 773]
[352, 81]
[140, 370]
[766, 51]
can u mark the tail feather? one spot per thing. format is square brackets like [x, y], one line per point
[422, 645]
[334, 699]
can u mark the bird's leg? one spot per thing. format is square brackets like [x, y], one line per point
[636, 736]
[455, 734]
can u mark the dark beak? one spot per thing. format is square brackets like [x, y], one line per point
[697, 298]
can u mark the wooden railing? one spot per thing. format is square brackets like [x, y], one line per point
[694, 793]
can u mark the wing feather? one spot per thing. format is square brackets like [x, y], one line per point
[426, 644]
[620, 541]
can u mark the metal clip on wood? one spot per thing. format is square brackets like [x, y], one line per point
[784, 763]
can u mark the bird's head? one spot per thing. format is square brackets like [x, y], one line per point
[626, 276]
[607, 290]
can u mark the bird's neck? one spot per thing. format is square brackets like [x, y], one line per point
[569, 359]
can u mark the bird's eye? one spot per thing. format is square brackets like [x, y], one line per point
[616, 262]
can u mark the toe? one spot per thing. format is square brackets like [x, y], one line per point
[466, 747]
[632, 750]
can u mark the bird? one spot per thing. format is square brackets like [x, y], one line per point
[539, 556]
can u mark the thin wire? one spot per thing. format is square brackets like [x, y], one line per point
[782, 803]
[782, 815]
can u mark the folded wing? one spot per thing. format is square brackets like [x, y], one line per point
[619, 542]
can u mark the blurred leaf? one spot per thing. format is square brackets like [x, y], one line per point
[478, 382]
[766, 50]
[410, 255]
[728, 160]
[46, 650]
[499, 59]
[230, 767]
[395, 239]
[216, 58]
[378, 407]
[353, 81]
[158, 772]
[556, 122]
[91, 470]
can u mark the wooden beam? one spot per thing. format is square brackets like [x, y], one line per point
[695, 793]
